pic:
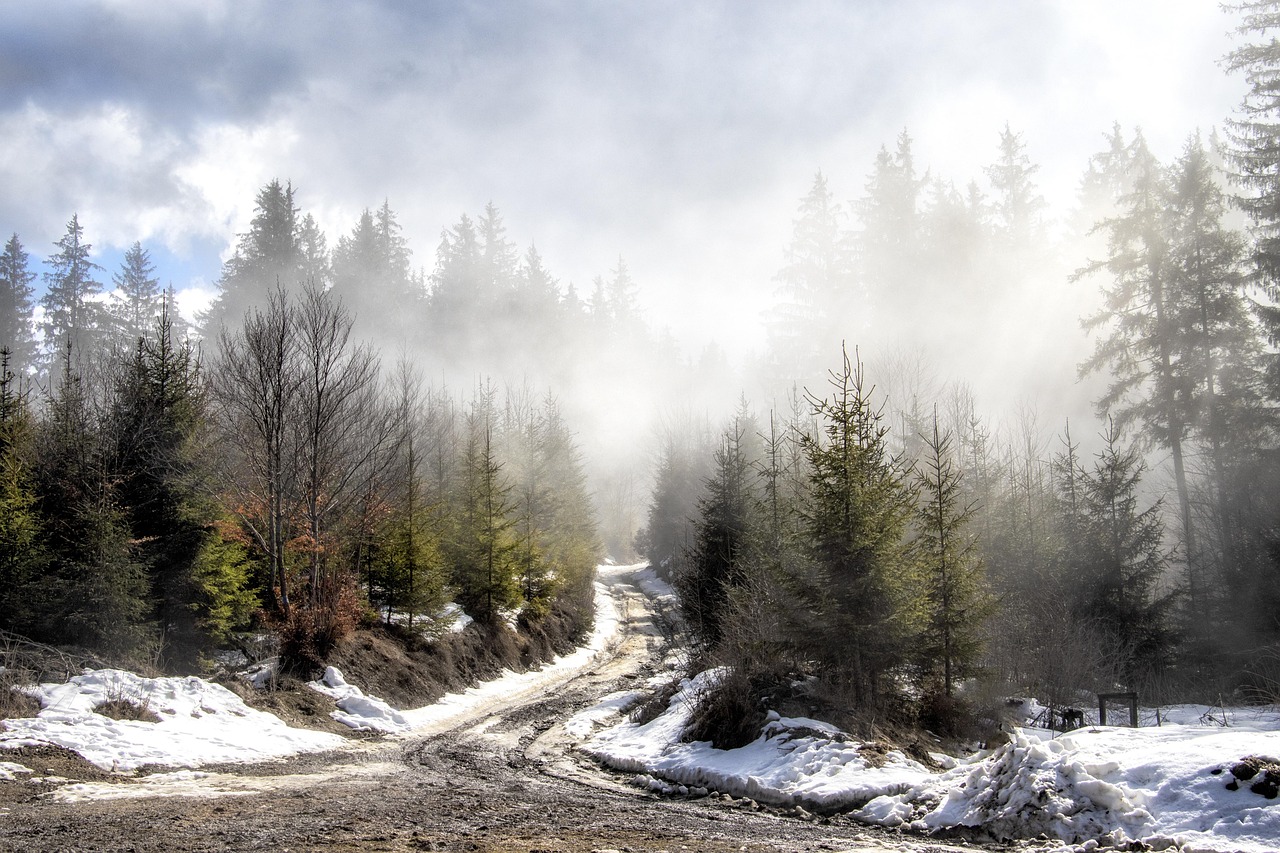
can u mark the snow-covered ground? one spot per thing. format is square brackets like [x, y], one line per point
[1167, 786]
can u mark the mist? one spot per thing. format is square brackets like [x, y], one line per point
[673, 143]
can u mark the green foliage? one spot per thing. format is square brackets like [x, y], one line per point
[1124, 558]
[483, 547]
[955, 598]
[728, 512]
[72, 318]
[22, 554]
[224, 600]
[865, 596]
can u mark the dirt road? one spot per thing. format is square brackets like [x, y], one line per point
[501, 777]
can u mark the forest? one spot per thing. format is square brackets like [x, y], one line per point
[345, 437]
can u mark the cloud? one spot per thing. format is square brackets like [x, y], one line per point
[679, 135]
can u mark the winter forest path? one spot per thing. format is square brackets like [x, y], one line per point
[501, 775]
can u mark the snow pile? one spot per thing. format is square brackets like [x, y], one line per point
[199, 723]
[795, 761]
[355, 709]
[1160, 786]
[1198, 786]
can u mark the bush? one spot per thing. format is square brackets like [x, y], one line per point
[311, 631]
[729, 714]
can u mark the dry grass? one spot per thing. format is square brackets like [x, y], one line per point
[121, 708]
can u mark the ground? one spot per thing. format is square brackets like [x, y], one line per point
[501, 777]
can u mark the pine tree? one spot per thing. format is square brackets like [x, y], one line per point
[889, 231]
[138, 297]
[726, 517]
[16, 307]
[483, 548]
[269, 256]
[955, 599]
[371, 276]
[1255, 137]
[71, 316]
[817, 277]
[570, 541]
[22, 555]
[1018, 206]
[407, 557]
[1144, 334]
[97, 596]
[1124, 558]
[197, 582]
[856, 517]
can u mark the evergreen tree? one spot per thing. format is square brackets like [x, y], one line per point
[72, 319]
[16, 307]
[817, 278]
[98, 592]
[138, 297]
[1145, 335]
[890, 250]
[682, 471]
[158, 422]
[1124, 558]
[407, 558]
[371, 276]
[1017, 205]
[726, 517]
[856, 517]
[22, 556]
[269, 256]
[314, 268]
[955, 598]
[1255, 137]
[483, 548]
[570, 541]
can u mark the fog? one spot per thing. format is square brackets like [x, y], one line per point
[678, 139]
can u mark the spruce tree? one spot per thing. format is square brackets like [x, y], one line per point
[22, 554]
[483, 547]
[267, 257]
[1124, 559]
[818, 275]
[138, 297]
[726, 517]
[72, 318]
[16, 333]
[856, 515]
[955, 598]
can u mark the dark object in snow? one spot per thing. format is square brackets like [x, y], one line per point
[1265, 773]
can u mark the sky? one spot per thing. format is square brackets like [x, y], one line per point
[677, 135]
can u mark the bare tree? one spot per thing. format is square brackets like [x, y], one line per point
[343, 429]
[256, 382]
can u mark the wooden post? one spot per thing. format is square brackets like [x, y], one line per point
[1130, 698]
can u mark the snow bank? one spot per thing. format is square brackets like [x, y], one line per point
[795, 761]
[1164, 786]
[1160, 786]
[200, 723]
[355, 709]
